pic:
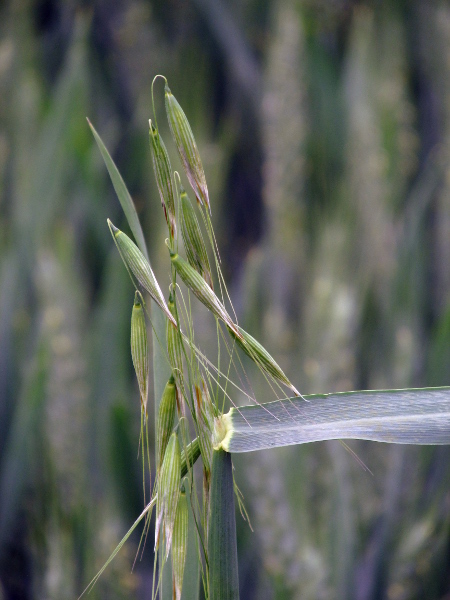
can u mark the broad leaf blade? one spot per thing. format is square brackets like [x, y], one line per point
[411, 416]
[122, 193]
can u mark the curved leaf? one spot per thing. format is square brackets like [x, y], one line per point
[411, 416]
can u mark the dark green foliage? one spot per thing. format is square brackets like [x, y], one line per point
[222, 548]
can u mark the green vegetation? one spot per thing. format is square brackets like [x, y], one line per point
[323, 132]
[198, 388]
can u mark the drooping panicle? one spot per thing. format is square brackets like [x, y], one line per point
[201, 289]
[140, 267]
[163, 174]
[193, 240]
[187, 148]
[139, 348]
[260, 356]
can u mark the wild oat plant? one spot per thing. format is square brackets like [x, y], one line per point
[191, 421]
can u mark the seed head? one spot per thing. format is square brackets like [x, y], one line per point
[187, 148]
[179, 544]
[163, 174]
[201, 289]
[166, 419]
[193, 239]
[168, 492]
[140, 267]
[139, 348]
[174, 346]
[204, 413]
[192, 453]
[261, 357]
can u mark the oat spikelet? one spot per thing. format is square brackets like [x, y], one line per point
[174, 347]
[189, 457]
[180, 544]
[193, 240]
[139, 348]
[187, 148]
[204, 293]
[140, 267]
[166, 420]
[204, 413]
[168, 492]
[261, 357]
[163, 174]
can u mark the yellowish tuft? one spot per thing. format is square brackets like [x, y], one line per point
[222, 431]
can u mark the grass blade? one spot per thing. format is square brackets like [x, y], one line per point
[119, 546]
[410, 416]
[122, 193]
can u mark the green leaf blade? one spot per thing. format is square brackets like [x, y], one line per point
[122, 193]
[410, 416]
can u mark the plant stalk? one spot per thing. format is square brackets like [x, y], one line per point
[222, 547]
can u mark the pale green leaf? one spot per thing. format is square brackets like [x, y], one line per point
[411, 416]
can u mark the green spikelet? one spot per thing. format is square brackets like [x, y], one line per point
[261, 357]
[192, 453]
[180, 544]
[204, 413]
[205, 421]
[174, 346]
[187, 148]
[166, 419]
[139, 348]
[193, 239]
[163, 174]
[140, 267]
[168, 492]
[201, 289]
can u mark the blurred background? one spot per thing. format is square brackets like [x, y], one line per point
[324, 128]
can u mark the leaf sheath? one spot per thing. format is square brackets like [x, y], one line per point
[222, 548]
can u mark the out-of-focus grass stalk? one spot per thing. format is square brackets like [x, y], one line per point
[273, 286]
[16, 459]
[39, 191]
[331, 313]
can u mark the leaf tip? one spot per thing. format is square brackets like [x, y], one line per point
[114, 230]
